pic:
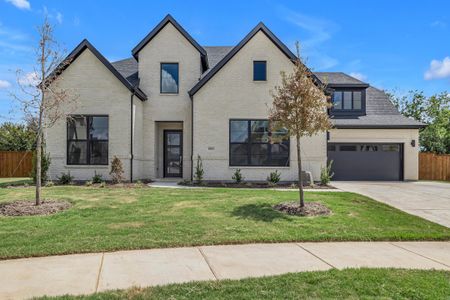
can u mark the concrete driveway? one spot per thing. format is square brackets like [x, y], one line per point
[426, 199]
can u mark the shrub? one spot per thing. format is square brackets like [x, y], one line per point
[49, 184]
[326, 174]
[116, 170]
[237, 176]
[97, 178]
[45, 165]
[103, 184]
[274, 177]
[88, 183]
[65, 178]
[199, 172]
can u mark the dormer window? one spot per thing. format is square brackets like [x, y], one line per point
[348, 101]
[259, 70]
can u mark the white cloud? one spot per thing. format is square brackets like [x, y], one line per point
[438, 24]
[21, 4]
[4, 84]
[359, 76]
[30, 78]
[59, 17]
[438, 69]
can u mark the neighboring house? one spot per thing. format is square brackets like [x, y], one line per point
[175, 100]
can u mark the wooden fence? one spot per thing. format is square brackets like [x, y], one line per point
[434, 166]
[15, 164]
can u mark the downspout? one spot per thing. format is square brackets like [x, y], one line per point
[192, 138]
[131, 136]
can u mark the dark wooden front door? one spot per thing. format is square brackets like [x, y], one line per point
[173, 153]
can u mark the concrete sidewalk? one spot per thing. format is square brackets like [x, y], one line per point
[90, 273]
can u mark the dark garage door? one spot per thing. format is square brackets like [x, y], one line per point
[366, 161]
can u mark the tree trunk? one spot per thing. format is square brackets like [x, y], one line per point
[300, 179]
[38, 166]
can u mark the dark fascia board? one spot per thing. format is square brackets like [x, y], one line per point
[386, 126]
[348, 85]
[238, 47]
[159, 27]
[85, 44]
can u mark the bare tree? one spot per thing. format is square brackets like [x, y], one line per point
[41, 98]
[300, 106]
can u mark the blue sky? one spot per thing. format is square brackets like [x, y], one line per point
[386, 43]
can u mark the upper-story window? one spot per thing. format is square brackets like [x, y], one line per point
[260, 70]
[348, 101]
[169, 78]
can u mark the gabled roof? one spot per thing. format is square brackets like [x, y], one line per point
[339, 79]
[237, 48]
[159, 27]
[85, 44]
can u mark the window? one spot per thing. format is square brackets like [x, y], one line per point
[252, 143]
[347, 148]
[346, 100]
[169, 78]
[87, 140]
[259, 71]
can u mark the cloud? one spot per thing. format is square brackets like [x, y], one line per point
[4, 84]
[21, 4]
[438, 24]
[438, 69]
[59, 17]
[359, 76]
[30, 78]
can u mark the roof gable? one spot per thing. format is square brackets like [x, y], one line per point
[159, 27]
[260, 27]
[85, 44]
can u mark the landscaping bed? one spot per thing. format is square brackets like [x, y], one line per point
[252, 185]
[29, 208]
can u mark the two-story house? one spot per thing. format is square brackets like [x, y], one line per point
[175, 100]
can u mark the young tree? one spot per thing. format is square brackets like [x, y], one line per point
[41, 98]
[300, 106]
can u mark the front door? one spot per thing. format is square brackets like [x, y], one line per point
[173, 153]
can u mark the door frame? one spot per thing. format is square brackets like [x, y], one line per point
[165, 132]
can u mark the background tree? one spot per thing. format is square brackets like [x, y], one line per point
[17, 137]
[433, 111]
[41, 98]
[300, 106]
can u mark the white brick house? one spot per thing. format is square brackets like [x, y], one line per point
[174, 100]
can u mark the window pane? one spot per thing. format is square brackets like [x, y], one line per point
[280, 135]
[260, 131]
[77, 128]
[259, 70]
[238, 131]
[280, 154]
[77, 153]
[238, 154]
[391, 148]
[369, 148]
[337, 100]
[173, 139]
[169, 78]
[347, 100]
[259, 155]
[99, 128]
[99, 153]
[347, 148]
[357, 100]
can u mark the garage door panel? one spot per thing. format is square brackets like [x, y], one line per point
[361, 164]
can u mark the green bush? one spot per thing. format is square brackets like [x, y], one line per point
[274, 177]
[97, 178]
[237, 176]
[199, 172]
[326, 174]
[88, 183]
[45, 165]
[65, 178]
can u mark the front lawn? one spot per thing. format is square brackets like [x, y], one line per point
[108, 219]
[333, 284]
[14, 181]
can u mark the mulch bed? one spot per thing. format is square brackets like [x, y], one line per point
[258, 185]
[311, 209]
[28, 208]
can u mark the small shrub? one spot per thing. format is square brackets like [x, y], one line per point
[237, 176]
[103, 184]
[138, 183]
[116, 170]
[326, 174]
[97, 178]
[65, 178]
[49, 183]
[199, 172]
[184, 182]
[271, 184]
[88, 183]
[274, 177]
[45, 165]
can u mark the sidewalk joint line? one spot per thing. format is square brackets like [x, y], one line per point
[436, 261]
[315, 256]
[207, 262]
[99, 272]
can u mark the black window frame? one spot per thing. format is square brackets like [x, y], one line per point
[265, 70]
[160, 78]
[88, 140]
[249, 144]
[345, 112]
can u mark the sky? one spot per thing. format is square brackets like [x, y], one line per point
[388, 44]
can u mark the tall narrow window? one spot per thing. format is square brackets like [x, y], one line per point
[87, 140]
[169, 78]
[260, 70]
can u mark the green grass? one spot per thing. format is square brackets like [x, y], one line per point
[108, 219]
[14, 181]
[333, 284]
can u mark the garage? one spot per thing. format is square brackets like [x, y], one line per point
[366, 161]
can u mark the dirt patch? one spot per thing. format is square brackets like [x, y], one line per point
[28, 208]
[311, 209]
